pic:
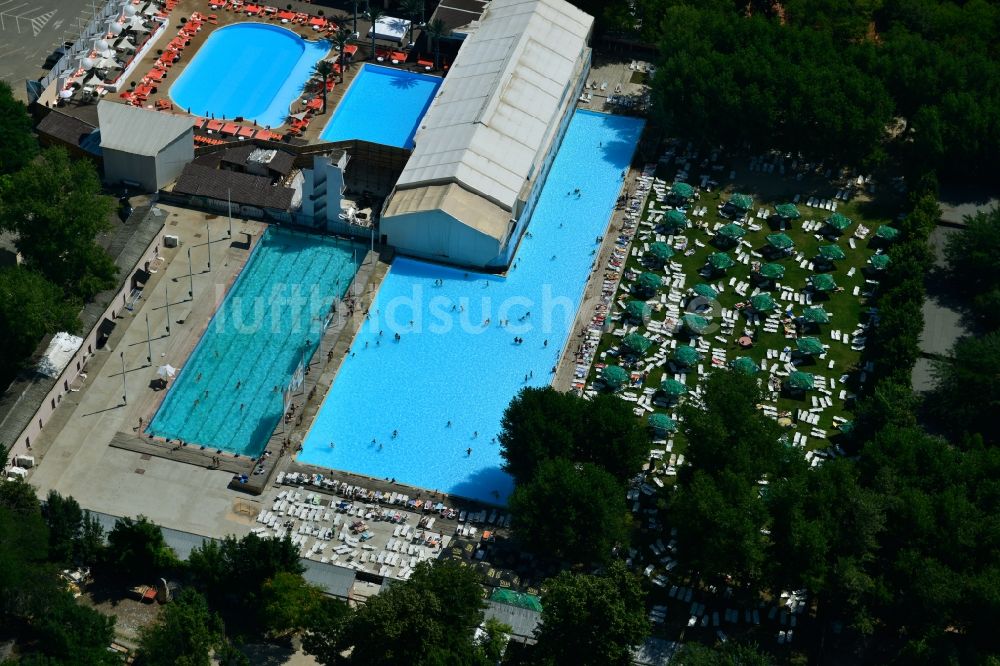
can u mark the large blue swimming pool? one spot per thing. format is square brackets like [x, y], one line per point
[383, 105]
[249, 70]
[229, 392]
[442, 388]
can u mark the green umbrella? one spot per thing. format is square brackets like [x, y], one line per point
[638, 310]
[686, 355]
[732, 231]
[823, 282]
[637, 343]
[810, 346]
[661, 251]
[662, 423]
[839, 222]
[816, 315]
[705, 290]
[780, 241]
[885, 232]
[675, 221]
[772, 271]
[741, 201]
[673, 388]
[763, 303]
[787, 211]
[720, 261]
[880, 261]
[847, 427]
[649, 282]
[696, 323]
[831, 252]
[683, 190]
[615, 377]
[745, 365]
[801, 381]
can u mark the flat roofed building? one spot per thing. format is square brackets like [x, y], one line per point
[489, 135]
[142, 147]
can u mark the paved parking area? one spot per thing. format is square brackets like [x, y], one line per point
[31, 29]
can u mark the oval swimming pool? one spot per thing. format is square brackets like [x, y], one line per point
[249, 70]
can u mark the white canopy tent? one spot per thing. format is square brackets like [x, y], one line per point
[60, 350]
[390, 29]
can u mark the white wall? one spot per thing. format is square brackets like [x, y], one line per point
[172, 159]
[438, 236]
[119, 166]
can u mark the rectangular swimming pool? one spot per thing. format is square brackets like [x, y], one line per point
[229, 393]
[383, 105]
[412, 409]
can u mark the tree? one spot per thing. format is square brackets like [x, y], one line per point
[730, 653]
[30, 308]
[591, 619]
[341, 37]
[137, 550]
[56, 208]
[19, 498]
[591, 520]
[69, 633]
[428, 619]
[17, 144]
[374, 15]
[184, 634]
[324, 630]
[437, 30]
[323, 69]
[967, 395]
[973, 256]
[64, 518]
[288, 603]
[413, 10]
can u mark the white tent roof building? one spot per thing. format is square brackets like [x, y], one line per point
[490, 133]
[143, 147]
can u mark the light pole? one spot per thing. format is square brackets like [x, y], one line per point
[124, 386]
[229, 200]
[208, 236]
[190, 276]
[166, 301]
[149, 342]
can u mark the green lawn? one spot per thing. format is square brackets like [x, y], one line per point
[845, 309]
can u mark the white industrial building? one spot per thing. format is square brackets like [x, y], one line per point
[490, 134]
[143, 148]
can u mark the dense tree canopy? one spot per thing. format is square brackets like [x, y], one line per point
[57, 210]
[75, 537]
[591, 619]
[17, 145]
[185, 633]
[974, 260]
[137, 550]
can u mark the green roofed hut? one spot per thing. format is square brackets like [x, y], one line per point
[695, 323]
[772, 271]
[763, 303]
[839, 222]
[732, 232]
[823, 282]
[780, 241]
[831, 252]
[810, 346]
[639, 344]
[705, 291]
[887, 233]
[615, 377]
[787, 211]
[816, 315]
[649, 282]
[661, 251]
[880, 262]
[638, 310]
[745, 365]
[673, 388]
[686, 355]
[661, 424]
[740, 202]
[520, 599]
[675, 221]
[682, 191]
[801, 381]
[720, 261]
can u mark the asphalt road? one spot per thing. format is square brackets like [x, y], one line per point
[30, 30]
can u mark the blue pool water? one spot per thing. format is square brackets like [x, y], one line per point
[251, 70]
[271, 319]
[383, 105]
[449, 365]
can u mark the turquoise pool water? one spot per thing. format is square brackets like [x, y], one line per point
[449, 364]
[224, 396]
[383, 105]
[249, 70]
